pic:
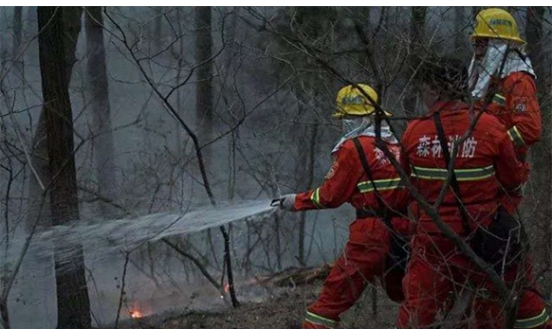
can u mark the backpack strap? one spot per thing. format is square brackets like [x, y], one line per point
[454, 180]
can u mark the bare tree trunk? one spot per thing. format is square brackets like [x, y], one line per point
[463, 21]
[159, 28]
[417, 36]
[310, 177]
[17, 60]
[17, 31]
[204, 93]
[5, 267]
[367, 34]
[39, 157]
[541, 158]
[361, 20]
[534, 34]
[101, 114]
[475, 10]
[458, 36]
[72, 293]
[39, 161]
[4, 53]
[177, 128]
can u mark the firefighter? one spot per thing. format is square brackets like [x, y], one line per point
[485, 162]
[362, 175]
[503, 80]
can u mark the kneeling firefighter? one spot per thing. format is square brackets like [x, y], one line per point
[362, 175]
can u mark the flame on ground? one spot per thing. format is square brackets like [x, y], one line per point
[136, 314]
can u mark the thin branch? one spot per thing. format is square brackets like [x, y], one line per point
[170, 108]
[196, 262]
[122, 293]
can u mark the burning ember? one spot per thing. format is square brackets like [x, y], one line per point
[226, 289]
[136, 314]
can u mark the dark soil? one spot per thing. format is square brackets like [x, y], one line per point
[285, 311]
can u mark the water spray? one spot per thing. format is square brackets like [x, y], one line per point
[102, 239]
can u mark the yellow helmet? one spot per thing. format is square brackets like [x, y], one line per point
[351, 102]
[496, 23]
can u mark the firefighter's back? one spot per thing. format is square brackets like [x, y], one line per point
[475, 165]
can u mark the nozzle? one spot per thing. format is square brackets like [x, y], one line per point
[276, 202]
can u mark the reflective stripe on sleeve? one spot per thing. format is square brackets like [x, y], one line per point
[315, 198]
[516, 137]
[499, 99]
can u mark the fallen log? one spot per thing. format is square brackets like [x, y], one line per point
[292, 276]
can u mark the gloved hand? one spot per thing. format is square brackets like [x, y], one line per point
[285, 202]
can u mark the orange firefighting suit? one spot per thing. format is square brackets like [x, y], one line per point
[515, 104]
[485, 163]
[365, 254]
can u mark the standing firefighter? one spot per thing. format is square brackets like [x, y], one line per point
[503, 80]
[362, 175]
[484, 163]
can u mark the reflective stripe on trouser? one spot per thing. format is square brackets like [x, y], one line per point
[499, 99]
[532, 322]
[516, 137]
[472, 174]
[530, 301]
[431, 276]
[320, 320]
[381, 185]
[315, 198]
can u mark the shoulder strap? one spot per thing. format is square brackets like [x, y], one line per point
[453, 181]
[385, 214]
